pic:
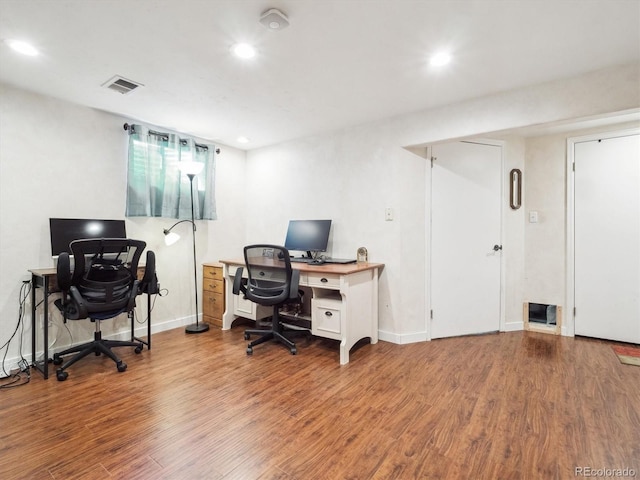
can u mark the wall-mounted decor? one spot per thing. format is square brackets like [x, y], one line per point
[515, 189]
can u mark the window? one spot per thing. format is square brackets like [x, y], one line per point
[155, 185]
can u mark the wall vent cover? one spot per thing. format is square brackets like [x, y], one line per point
[121, 85]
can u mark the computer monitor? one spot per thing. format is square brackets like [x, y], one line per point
[65, 230]
[308, 235]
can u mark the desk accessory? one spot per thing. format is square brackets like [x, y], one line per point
[190, 169]
[363, 255]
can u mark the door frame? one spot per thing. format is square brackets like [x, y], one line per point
[428, 228]
[569, 324]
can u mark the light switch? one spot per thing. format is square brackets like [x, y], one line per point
[533, 216]
[388, 214]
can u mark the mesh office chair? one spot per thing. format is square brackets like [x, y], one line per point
[102, 285]
[271, 282]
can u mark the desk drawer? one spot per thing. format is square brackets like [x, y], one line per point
[213, 304]
[210, 285]
[323, 280]
[326, 318]
[212, 272]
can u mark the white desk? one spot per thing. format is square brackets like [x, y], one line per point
[343, 304]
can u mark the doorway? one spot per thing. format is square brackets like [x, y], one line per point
[466, 247]
[604, 236]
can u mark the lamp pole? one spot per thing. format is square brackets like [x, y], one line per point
[196, 327]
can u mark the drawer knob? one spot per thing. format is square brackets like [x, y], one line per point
[328, 314]
[324, 280]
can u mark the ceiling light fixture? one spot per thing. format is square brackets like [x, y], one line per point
[23, 47]
[242, 140]
[243, 50]
[274, 19]
[440, 59]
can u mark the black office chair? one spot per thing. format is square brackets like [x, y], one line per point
[271, 282]
[102, 285]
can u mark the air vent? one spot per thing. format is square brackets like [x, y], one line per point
[121, 85]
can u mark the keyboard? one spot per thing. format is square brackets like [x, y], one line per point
[340, 260]
[326, 260]
[301, 260]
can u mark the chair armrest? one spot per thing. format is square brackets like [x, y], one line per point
[78, 308]
[63, 272]
[135, 289]
[237, 282]
[149, 282]
[295, 283]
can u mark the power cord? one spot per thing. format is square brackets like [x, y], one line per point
[23, 365]
[160, 293]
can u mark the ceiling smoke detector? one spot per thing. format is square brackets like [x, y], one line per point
[121, 85]
[274, 19]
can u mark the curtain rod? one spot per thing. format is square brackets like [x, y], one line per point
[126, 126]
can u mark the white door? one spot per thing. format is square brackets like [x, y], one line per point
[607, 238]
[465, 239]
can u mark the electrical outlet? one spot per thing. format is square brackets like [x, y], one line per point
[388, 214]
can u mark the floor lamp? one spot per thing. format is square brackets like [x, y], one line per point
[190, 169]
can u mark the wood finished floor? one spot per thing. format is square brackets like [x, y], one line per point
[501, 406]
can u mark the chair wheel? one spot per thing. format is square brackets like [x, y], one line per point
[61, 375]
[138, 349]
[294, 351]
[121, 366]
[247, 336]
[249, 350]
[57, 360]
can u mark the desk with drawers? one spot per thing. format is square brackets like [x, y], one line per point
[343, 304]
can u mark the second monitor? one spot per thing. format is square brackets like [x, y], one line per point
[310, 236]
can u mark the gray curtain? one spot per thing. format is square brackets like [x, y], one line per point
[155, 185]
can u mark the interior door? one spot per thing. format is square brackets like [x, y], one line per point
[607, 238]
[465, 239]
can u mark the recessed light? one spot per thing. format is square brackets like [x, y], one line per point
[242, 140]
[23, 47]
[243, 50]
[440, 59]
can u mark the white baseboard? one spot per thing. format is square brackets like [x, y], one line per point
[402, 338]
[141, 330]
[513, 326]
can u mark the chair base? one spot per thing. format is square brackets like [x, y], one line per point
[276, 333]
[97, 346]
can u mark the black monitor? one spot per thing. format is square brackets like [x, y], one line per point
[308, 235]
[65, 230]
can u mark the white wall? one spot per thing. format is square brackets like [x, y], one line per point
[49, 148]
[62, 160]
[545, 191]
[351, 175]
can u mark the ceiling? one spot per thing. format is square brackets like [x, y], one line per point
[340, 62]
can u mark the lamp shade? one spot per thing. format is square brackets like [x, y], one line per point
[170, 237]
[191, 168]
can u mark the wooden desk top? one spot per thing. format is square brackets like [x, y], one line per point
[43, 272]
[338, 268]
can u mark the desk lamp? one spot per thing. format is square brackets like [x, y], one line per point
[190, 169]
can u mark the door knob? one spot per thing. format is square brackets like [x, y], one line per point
[497, 247]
